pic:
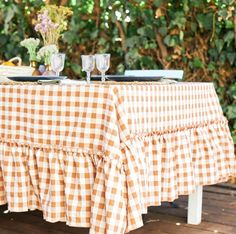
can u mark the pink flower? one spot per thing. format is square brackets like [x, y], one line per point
[49, 29]
[37, 27]
[55, 26]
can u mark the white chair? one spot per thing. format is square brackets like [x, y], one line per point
[195, 199]
[169, 74]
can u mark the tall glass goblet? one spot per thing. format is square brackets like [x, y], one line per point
[57, 62]
[88, 64]
[103, 63]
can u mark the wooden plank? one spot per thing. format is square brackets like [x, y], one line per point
[30, 221]
[6, 231]
[211, 204]
[213, 211]
[221, 190]
[163, 223]
[209, 214]
[171, 219]
[165, 227]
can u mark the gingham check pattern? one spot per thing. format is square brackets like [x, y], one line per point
[98, 155]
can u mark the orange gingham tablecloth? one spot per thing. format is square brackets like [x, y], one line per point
[98, 155]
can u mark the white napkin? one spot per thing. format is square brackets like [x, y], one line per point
[72, 82]
[4, 80]
[167, 81]
[63, 82]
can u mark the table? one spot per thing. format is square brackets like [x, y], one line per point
[98, 155]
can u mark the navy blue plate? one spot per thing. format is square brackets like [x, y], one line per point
[35, 78]
[127, 78]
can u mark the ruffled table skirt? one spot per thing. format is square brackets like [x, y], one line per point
[76, 187]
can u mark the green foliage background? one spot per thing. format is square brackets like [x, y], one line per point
[197, 36]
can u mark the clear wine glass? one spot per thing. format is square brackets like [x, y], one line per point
[57, 62]
[88, 64]
[103, 63]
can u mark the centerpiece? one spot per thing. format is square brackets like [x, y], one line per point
[51, 23]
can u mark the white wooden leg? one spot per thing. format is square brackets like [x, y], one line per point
[195, 206]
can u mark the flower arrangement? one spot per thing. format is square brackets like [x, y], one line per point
[46, 52]
[52, 21]
[31, 45]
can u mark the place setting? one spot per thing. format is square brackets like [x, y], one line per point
[57, 65]
[102, 63]
[88, 62]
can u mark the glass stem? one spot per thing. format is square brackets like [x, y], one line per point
[103, 77]
[57, 73]
[88, 77]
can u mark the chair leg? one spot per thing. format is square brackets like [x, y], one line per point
[195, 207]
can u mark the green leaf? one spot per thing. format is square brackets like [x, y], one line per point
[197, 63]
[222, 58]
[146, 61]
[197, 3]
[228, 2]
[76, 68]
[10, 12]
[131, 58]
[211, 66]
[68, 37]
[232, 91]
[170, 41]
[231, 57]
[193, 26]
[215, 76]
[94, 34]
[205, 21]
[223, 13]
[229, 37]
[148, 16]
[158, 3]
[229, 24]
[150, 45]
[185, 6]
[234, 126]
[234, 137]
[231, 111]
[3, 39]
[120, 68]
[219, 45]
[163, 31]
[179, 20]
[101, 41]
[132, 41]
[146, 31]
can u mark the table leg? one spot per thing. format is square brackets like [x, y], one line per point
[195, 207]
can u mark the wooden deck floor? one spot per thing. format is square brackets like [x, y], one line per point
[219, 216]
